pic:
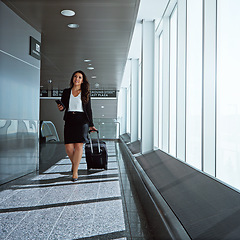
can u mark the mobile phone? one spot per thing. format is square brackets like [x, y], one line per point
[60, 102]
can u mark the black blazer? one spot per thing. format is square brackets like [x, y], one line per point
[86, 107]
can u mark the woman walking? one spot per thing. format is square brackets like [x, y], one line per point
[77, 117]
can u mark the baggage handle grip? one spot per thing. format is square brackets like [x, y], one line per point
[92, 131]
[99, 150]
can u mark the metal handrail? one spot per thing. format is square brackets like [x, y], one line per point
[46, 124]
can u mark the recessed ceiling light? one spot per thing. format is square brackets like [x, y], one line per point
[103, 115]
[90, 68]
[102, 106]
[49, 81]
[89, 64]
[68, 13]
[87, 60]
[41, 86]
[96, 85]
[73, 25]
[94, 77]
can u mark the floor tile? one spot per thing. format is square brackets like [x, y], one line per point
[108, 217]
[75, 222]
[37, 224]
[8, 222]
[109, 189]
[23, 199]
[5, 194]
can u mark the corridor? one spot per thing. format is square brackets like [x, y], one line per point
[100, 205]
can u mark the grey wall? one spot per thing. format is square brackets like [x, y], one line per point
[19, 97]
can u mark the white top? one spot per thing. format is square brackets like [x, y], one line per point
[75, 103]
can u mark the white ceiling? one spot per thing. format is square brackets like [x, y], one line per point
[152, 9]
[148, 10]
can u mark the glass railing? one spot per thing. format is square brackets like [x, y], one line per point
[108, 128]
[19, 149]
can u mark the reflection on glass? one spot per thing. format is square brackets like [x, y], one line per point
[108, 128]
[228, 97]
[18, 148]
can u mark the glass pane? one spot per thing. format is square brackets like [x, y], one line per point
[228, 97]
[156, 95]
[140, 103]
[128, 110]
[108, 128]
[160, 90]
[173, 82]
[209, 88]
[181, 80]
[194, 83]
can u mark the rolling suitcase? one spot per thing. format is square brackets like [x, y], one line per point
[96, 153]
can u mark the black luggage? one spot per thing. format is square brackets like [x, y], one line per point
[96, 153]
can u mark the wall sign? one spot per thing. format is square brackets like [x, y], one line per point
[56, 93]
[103, 93]
[94, 93]
[35, 47]
[51, 93]
[43, 93]
[60, 92]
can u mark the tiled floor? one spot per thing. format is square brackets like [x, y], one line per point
[100, 205]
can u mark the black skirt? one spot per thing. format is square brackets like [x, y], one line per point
[76, 128]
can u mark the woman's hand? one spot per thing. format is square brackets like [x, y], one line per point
[60, 107]
[92, 128]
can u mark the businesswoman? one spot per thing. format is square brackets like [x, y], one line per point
[77, 117]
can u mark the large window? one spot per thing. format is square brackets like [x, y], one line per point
[194, 83]
[129, 109]
[199, 101]
[160, 66]
[140, 102]
[173, 83]
[228, 97]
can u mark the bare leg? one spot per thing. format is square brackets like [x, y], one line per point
[70, 151]
[77, 156]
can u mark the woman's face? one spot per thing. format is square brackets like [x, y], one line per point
[77, 79]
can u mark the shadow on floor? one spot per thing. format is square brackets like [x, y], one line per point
[50, 154]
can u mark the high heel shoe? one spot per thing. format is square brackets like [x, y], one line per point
[74, 179]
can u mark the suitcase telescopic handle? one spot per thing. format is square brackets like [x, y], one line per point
[99, 150]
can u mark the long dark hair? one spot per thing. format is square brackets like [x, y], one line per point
[84, 86]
